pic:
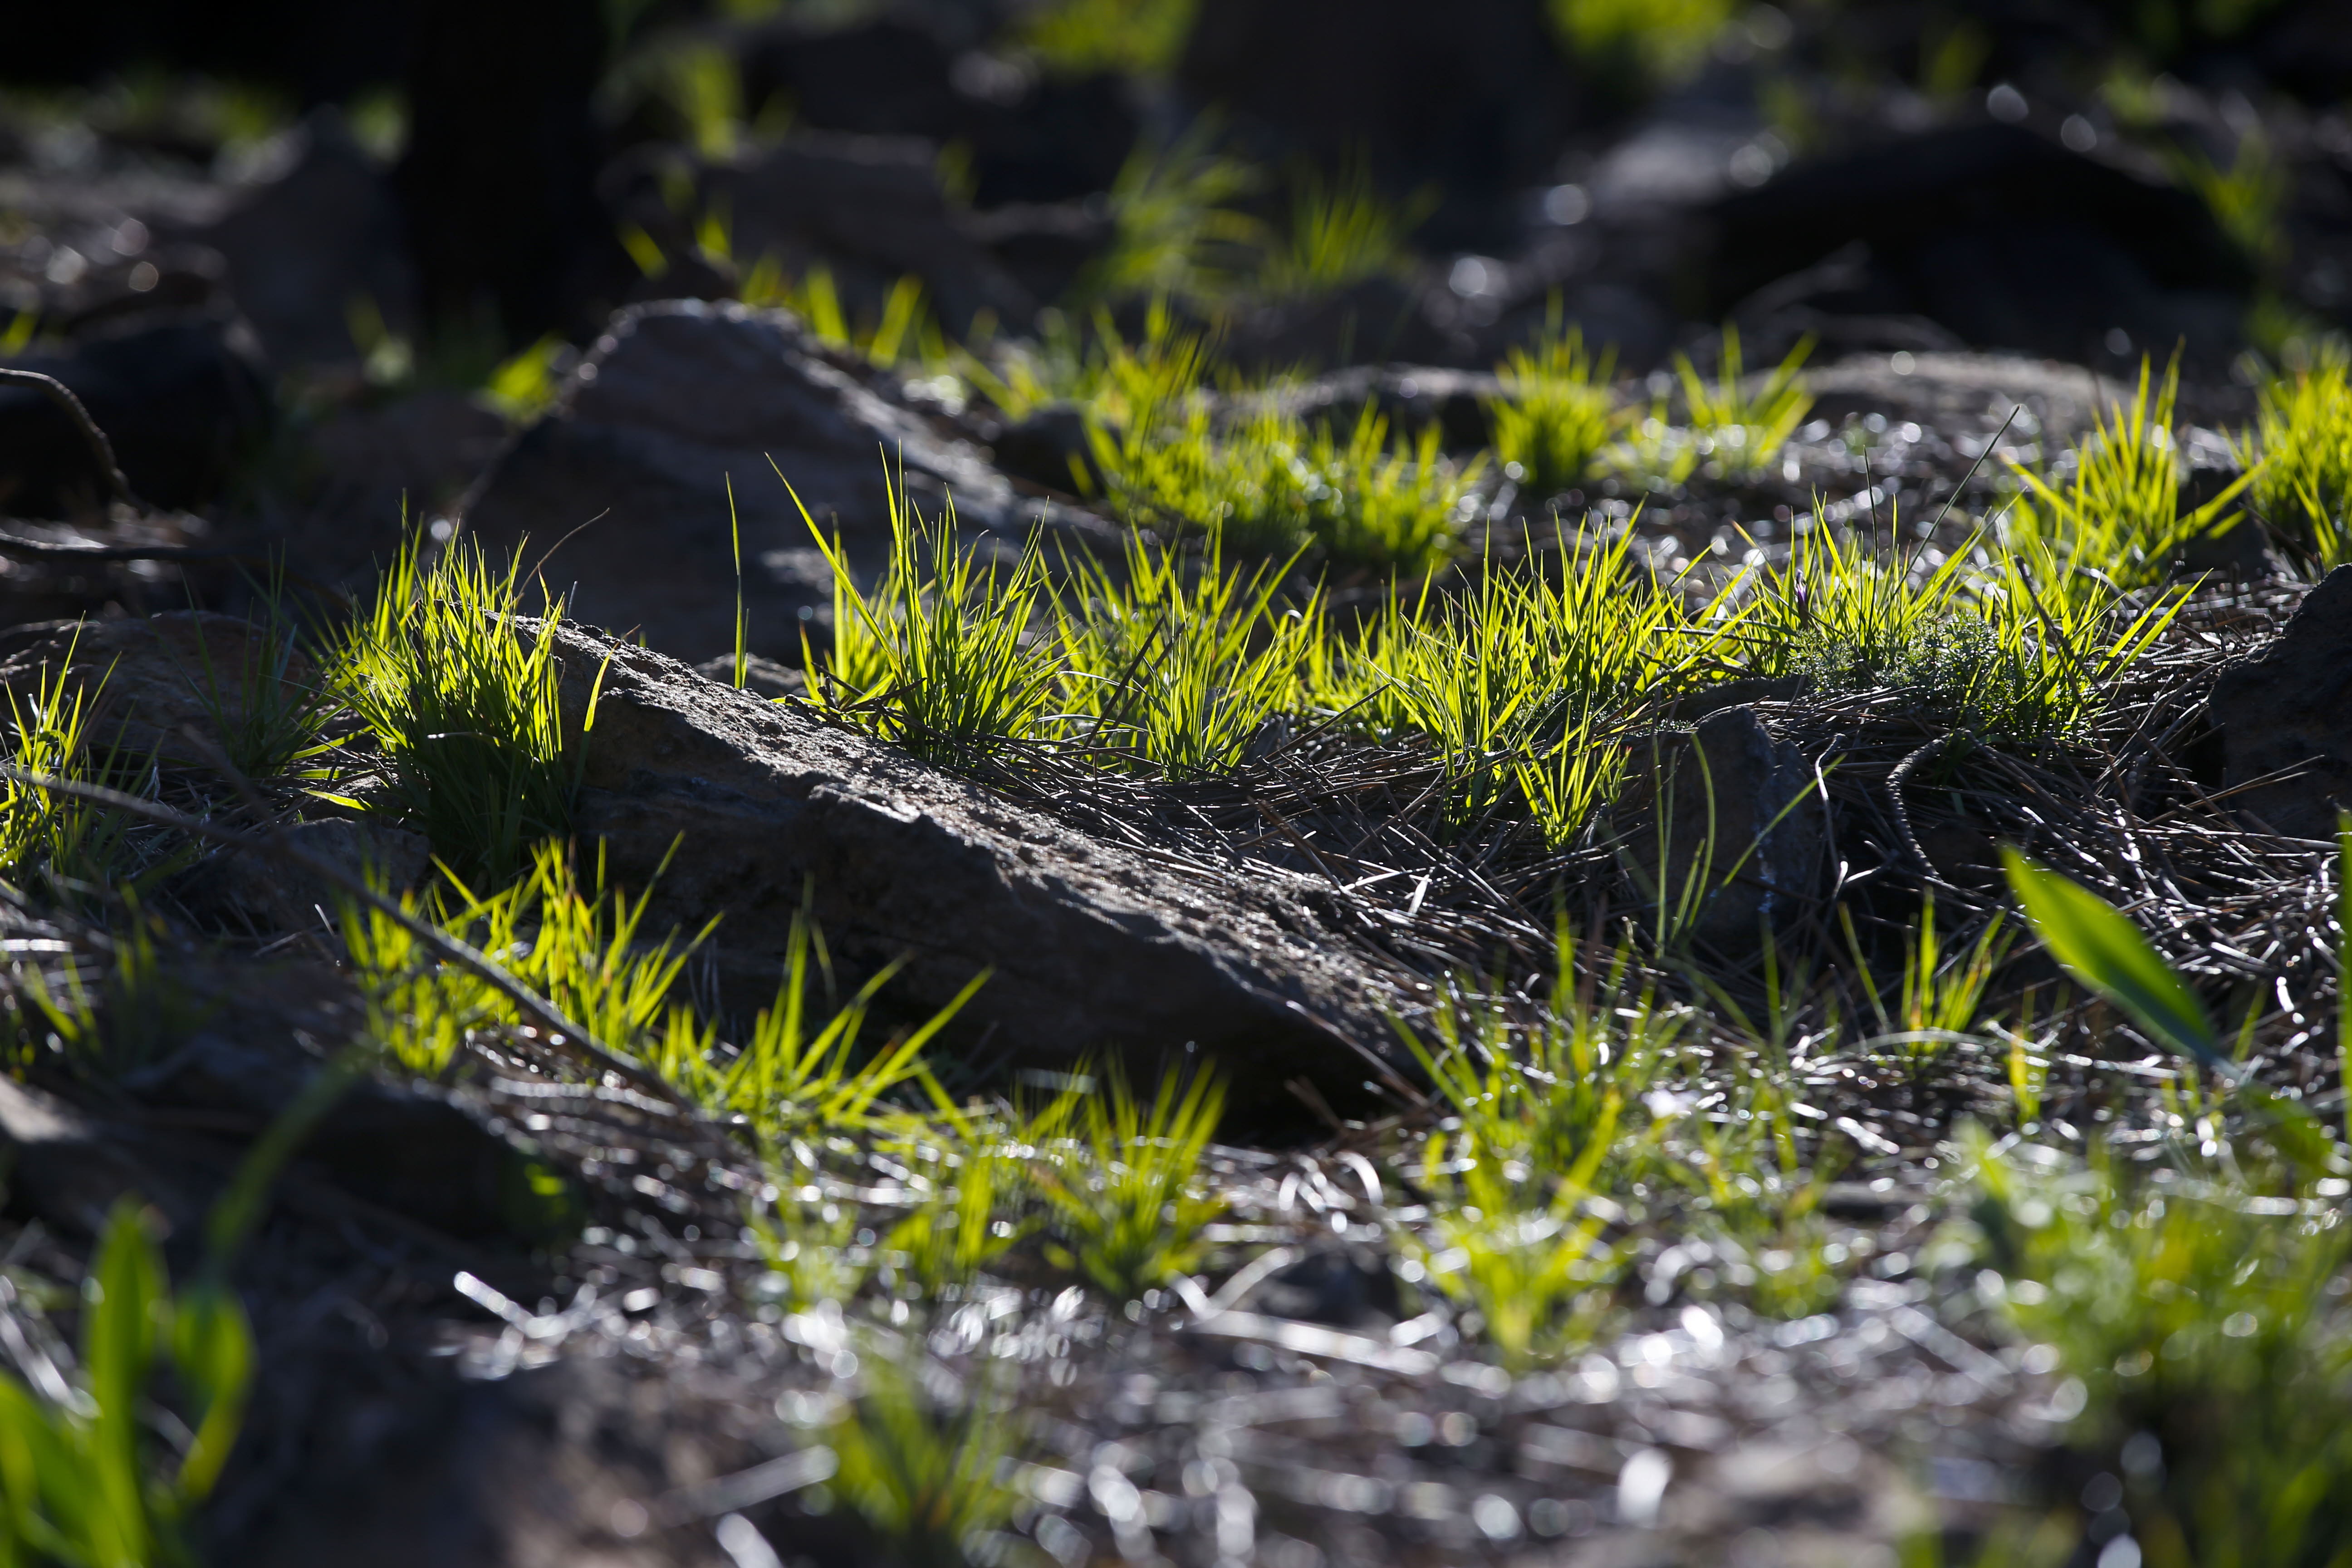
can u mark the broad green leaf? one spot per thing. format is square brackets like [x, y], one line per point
[2105, 950]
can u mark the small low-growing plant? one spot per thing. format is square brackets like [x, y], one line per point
[1124, 1191]
[937, 657]
[1178, 230]
[1341, 231]
[460, 701]
[1178, 660]
[1731, 429]
[2301, 456]
[2020, 647]
[1540, 1093]
[2198, 1310]
[1555, 414]
[924, 1459]
[1514, 681]
[790, 1074]
[74, 848]
[2118, 516]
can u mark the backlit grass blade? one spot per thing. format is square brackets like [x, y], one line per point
[2105, 952]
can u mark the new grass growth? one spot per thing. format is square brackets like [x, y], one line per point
[459, 698]
[1556, 415]
[2119, 513]
[2300, 453]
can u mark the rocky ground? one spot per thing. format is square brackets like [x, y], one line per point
[528, 1311]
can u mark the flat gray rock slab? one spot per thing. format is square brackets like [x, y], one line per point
[1095, 948]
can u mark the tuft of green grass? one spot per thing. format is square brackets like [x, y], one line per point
[1390, 505]
[1130, 38]
[2301, 455]
[1657, 41]
[269, 720]
[926, 1461]
[1176, 660]
[1342, 230]
[1515, 681]
[789, 1073]
[1124, 1194]
[1179, 228]
[1939, 996]
[2201, 1306]
[905, 332]
[1742, 427]
[460, 702]
[1556, 415]
[1540, 1094]
[74, 848]
[2017, 647]
[2118, 514]
[939, 657]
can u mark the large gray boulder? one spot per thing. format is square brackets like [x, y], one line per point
[1095, 948]
[631, 472]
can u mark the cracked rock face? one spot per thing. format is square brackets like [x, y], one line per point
[2286, 717]
[1092, 949]
[677, 427]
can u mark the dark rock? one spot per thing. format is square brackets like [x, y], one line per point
[1046, 249]
[1470, 97]
[1378, 320]
[370, 472]
[499, 179]
[675, 400]
[1092, 947]
[870, 208]
[2287, 710]
[1409, 396]
[762, 677]
[1051, 447]
[1739, 848]
[144, 683]
[1999, 237]
[1971, 394]
[276, 897]
[1342, 1286]
[65, 1169]
[1030, 137]
[183, 401]
[302, 249]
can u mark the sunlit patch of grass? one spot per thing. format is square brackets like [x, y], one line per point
[790, 1074]
[1939, 994]
[2303, 442]
[2205, 1306]
[460, 704]
[1733, 429]
[1178, 228]
[1127, 1210]
[2016, 648]
[1178, 661]
[1511, 681]
[1657, 41]
[1341, 231]
[2119, 513]
[1555, 414]
[76, 849]
[579, 946]
[906, 332]
[937, 656]
[925, 1459]
[1137, 37]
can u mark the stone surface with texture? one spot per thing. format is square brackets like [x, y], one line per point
[679, 399]
[1092, 947]
[2286, 716]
